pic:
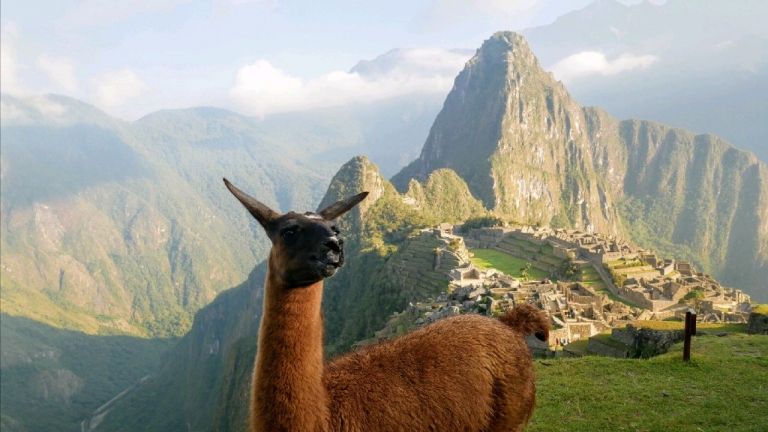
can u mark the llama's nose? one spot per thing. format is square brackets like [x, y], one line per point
[333, 244]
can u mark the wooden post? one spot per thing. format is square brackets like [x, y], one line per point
[690, 330]
[693, 321]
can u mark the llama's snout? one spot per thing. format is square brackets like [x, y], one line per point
[334, 251]
[331, 256]
[334, 244]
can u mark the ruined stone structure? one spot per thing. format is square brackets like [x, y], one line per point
[578, 310]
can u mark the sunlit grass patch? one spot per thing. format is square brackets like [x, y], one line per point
[505, 263]
[723, 388]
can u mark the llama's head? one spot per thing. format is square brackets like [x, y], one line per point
[306, 248]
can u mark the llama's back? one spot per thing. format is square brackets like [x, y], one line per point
[463, 373]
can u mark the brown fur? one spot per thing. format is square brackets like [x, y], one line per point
[464, 373]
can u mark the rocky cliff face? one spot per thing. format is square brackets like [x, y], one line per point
[686, 194]
[519, 140]
[529, 152]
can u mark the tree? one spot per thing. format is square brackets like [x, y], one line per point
[524, 275]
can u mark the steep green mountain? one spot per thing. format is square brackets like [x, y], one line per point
[107, 226]
[519, 141]
[111, 227]
[530, 153]
[122, 227]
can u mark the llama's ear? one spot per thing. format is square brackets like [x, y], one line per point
[261, 212]
[335, 210]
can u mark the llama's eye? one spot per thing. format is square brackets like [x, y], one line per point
[287, 234]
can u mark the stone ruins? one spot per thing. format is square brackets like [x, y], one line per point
[605, 284]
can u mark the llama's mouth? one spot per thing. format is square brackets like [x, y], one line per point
[327, 268]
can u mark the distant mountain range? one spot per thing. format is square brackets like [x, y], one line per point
[710, 73]
[120, 227]
[113, 227]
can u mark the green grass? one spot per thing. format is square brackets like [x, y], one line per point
[761, 309]
[723, 388]
[614, 297]
[680, 325]
[633, 271]
[506, 263]
[593, 282]
[579, 347]
[606, 339]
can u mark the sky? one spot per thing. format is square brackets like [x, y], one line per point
[134, 57]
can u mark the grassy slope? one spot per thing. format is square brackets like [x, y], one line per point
[724, 387]
[506, 263]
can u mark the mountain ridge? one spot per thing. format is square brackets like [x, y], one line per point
[530, 153]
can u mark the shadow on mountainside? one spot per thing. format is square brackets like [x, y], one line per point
[52, 379]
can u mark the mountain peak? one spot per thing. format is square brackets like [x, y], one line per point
[356, 176]
[506, 47]
[514, 134]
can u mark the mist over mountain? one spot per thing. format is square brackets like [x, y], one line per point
[414, 61]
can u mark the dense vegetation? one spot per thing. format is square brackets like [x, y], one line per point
[110, 226]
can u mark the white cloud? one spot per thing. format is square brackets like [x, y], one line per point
[9, 64]
[593, 63]
[30, 109]
[107, 12]
[47, 107]
[60, 71]
[10, 114]
[115, 88]
[261, 88]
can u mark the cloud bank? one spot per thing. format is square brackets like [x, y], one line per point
[115, 88]
[60, 71]
[589, 63]
[9, 64]
[260, 88]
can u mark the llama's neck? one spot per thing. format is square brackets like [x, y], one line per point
[288, 393]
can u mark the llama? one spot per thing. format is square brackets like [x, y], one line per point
[464, 373]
